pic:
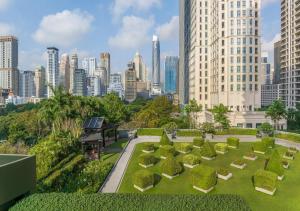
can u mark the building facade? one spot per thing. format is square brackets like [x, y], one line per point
[27, 85]
[94, 86]
[52, 70]
[73, 67]
[101, 72]
[269, 93]
[267, 74]
[277, 65]
[156, 83]
[64, 71]
[140, 67]
[171, 74]
[116, 78]
[130, 83]
[105, 63]
[90, 65]
[80, 83]
[40, 82]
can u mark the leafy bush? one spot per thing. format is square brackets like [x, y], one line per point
[289, 154]
[184, 147]
[223, 171]
[204, 177]
[238, 131]
[167, 151]
[134, 202]
[170, 127]
[250, 155]
[274, 164]
[198, 142]
[265, 179]
[269, 141]
[164, 140]
[150, 132]
[208, 150]
[8, 148]
[189, 133]
[233, 142]
[146, 159]
[143, 179]
[171, 167]
[289, 136]
[191, 159]
[239, 162]
[148, 147]
[221, 147]
[266, 128]
[259, 146]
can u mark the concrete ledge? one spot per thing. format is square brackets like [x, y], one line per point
[288, 158]
[197, 147]
[225, 177]
[271, 193]
[182, 152]
[280, 178]
[220, 152]
[190, 166]
[170, 177]
[238, 166]
[202, 190]
[286, 166]
[163, 157]
[250, 158]
[146, 166]
[148, 152]
[232, 147]
[259, 152]
[142, 189]
[207, 158]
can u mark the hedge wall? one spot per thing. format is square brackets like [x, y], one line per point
[265, 179]
[204, 177]
[150, 132]
[238, 131]
[189, 133]
[132, 202]
[289, 137]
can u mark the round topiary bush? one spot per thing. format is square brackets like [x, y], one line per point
[191, 160]
[208, 150]
[204, 177]
[269, 141]
[184, 148]
[146, 159]
[167, 151]
[171, 167]
[233, 142]
[143, 179]
[259, 147]
[198, 142]
[221, 148]
[265, 179]
[164, 140]
[148, 147]
[274, 164]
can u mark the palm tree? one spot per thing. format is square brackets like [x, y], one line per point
[276, 112]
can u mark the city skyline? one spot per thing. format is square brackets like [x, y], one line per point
[120, 29]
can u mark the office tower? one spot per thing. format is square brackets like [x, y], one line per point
[269, 93]
[115, 85]
[156, 64]
[64, 71]
[40, 82]
[171, 74]
[52, 70]
[277, 65]
[102, 73]
[130, 83]
[94, 86]
[80, 83]
[89, 65]
[116, 78]
[105, 62]
[9, 73]
[222, 42]
[27, 87]
[140, 67]
[266, 71]
[73, 67]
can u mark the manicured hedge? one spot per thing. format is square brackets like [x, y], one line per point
[208, 150]
[171, 167]
[143, 179]
[221, 147]
[274, 164]
[191, 159]
[233, 142]
[189, 133]
[198, 142]
[167, 151]
[184, 147]
[148, 147]
[265, 179]
[290, 137]
[223, 171]
[259, 146]
[164, 140]
[133, 202]
[239, 162]
[204, 177]
[146, 159]
[238, 131]
[269, 141]
[150, 132]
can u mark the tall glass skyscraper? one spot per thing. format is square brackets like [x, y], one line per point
[155, 62]
[171, 74]
[52, 73]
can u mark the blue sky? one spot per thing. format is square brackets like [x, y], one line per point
[89, 27]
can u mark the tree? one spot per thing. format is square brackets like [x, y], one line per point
[170, 127]
[220, 115]
[192, 110]
[276, 112]
[208, 128]
[266, 128]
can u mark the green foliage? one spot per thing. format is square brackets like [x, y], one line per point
[266, 128]
[289, 136]
[164, 140]
[189, 133]
[167, 151]
[239, 162]
[198, 142]
[208, 128]
[276, 111]
[170, 127]
[274, 164]
[259, 146]
[203, 177]
[150, 132]
[290, 155]
[208, 150]
[220, 115]
[265, 179]
[171, 167]
[143, 179]
[146, 159]
[223, 171]
[221, 147]
[184, 147]
[269, 141]
[148, 147]
[134, 202]
[192, 109]
[191, 159]
[233, 142]
[8, 148]
[238, 131]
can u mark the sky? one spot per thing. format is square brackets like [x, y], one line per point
[121, 27]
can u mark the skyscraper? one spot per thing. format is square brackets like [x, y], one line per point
[102, 73]
[94, 86]
[80, 83]
[89, 64]
[9, 73]
[64, 71]
[266, 71]
[171, 74]
[277, 65]
[130, 83]
[40, 82]
[52, 70]
[156, 64]
[105, 62]
[73, 67]
[140, 67]
[27, 85]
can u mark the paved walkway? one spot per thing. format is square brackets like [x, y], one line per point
[113, 181]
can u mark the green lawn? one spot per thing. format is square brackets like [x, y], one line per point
[286, 198]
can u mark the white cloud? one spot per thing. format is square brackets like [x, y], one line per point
[4, 4]
[119, 7]
[265, 3]
[133, 34]
[6, 29]
[169, 30]
[64, 28]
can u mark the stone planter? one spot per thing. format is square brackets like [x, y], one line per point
[148, 152]
[286, 166]
[259, 152]
[239, 166]
[146, 166]
[250, 158]
[220, 152]
[280, 178]
[225, 177]
[202, 190]
[170, 177]
[271, 193]
[190, 166]
[232, 147]
[197, 147]
[288, 158]
[142, 189]
[207, 158]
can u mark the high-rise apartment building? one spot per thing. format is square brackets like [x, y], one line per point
[27, 86]
[64, 71]
[94, 86]
[89, 65]
[156, 83]
[266, 71]
[9, 73]
[40, 82]
[277, 65]
[130, 83]
[80, 83]
[220, 49]
[171, 74]
[140, 67]
[105, 62]
[52, 70]
[116, 78]
[73, 67]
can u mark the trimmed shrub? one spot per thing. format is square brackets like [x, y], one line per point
[221, 147]
[259, 146]
[289, 155]
[150, 132]
[146, 159]
[148, 147]
[164, 140]
[238, 131]
[208, 150]
[269, 141]
[184, 147]
[239, 162]
[143, 179]
[223, 171]
[204, 177]
[233, 142]
[289, 136]
[274, 164]
[265, 179]
[189, 133]
[191, 160]
[198, 142]
[171, 167]
[167, 151]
